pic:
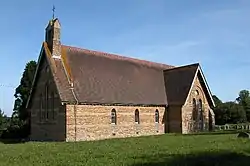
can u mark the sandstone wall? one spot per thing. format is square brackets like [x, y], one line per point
[174, 119]
[197, 92]
[46, 125]
[93, 122]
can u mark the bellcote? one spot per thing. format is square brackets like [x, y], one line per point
[52, 37]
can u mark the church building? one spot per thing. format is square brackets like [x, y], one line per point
[79, 94]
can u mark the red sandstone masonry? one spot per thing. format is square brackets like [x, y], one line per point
[94, 122]
[187, 109]
[50, 129]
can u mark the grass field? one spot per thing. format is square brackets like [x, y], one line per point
[223, 149]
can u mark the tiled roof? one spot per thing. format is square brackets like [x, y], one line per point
[60, 77]
[102, 78]
[178, 82]
[111, 79]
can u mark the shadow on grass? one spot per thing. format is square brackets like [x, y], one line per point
[201, 159]
[12, 141]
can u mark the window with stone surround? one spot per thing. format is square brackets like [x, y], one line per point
[157, 116]
[200, 113]
[194, 110]
[41, 108]
[137, 116]
[196, 92]
[113, 116]
[52, 105]
[46, 101]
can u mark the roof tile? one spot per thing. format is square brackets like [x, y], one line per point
[107, 78]
[178, 82]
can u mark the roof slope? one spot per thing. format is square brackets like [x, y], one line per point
[178, 82]
[60, 77]
[111, 79]
[104, 78]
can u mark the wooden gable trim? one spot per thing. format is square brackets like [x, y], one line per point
[206, 86]
[50, 61]
[44, 50]
[35, 77]
[190, 88]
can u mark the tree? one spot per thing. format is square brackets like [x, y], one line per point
[3, 122]
[2, 118]
[236, 112]
[221, 115]
[244, 101]
[217, 101]
[22, 93]
[229, 112]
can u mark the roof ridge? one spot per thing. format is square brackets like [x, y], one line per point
[121, 57]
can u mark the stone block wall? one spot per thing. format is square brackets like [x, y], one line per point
[173, 119]
[46, 125]
[197, 92]
[93, 122]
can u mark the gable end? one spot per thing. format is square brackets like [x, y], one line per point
[42, 56]
[204, 84]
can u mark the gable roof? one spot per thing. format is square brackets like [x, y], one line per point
[178, 82]
[103, 78]
[111, 79]
[59, 76]
[205, 86]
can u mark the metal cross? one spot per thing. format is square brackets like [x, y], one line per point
[53, 10]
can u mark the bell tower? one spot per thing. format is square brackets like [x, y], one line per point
[52, 37]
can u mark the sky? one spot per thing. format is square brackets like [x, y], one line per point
[214, 33]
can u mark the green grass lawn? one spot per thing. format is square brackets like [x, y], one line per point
[224, 149]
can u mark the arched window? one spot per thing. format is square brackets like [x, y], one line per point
[200, 109]
[46, 100]
[194, 109]
[157, 116]
[137, 116]
[113, 116]
[52, 106]
[41, 108]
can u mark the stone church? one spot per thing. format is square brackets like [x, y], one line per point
[79, 94]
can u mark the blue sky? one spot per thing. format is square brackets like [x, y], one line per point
[214, 33]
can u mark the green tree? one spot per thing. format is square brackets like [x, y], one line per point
[228, 112]
[3, 122]
[217, 101]
[221, 115]
[244, 101]
[20, 114]
[236, 112]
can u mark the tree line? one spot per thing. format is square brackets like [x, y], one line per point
[233, 112]
[18, 125]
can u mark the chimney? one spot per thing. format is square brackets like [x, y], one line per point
[52, 37]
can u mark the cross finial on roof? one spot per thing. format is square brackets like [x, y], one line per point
[53, 10]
